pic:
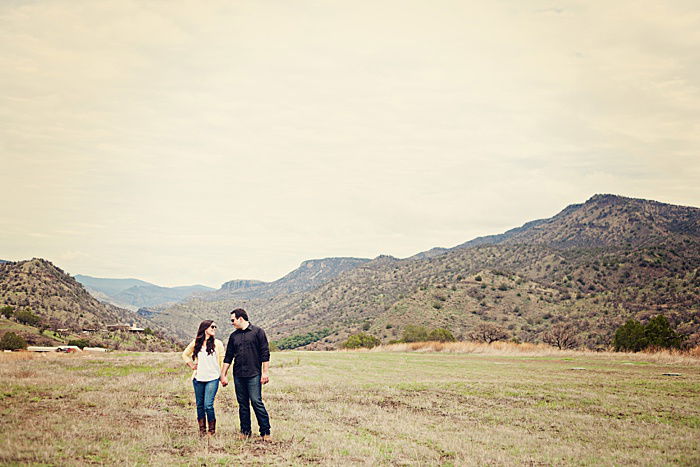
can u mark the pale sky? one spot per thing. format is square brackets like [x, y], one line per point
[184, 142]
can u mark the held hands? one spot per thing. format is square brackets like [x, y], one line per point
[264, 379]
[192, 365]
[224, 380]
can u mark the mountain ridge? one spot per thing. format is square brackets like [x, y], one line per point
[593, 264]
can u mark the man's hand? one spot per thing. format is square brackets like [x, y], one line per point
[264, 379]
[192, 365]
[224, 380]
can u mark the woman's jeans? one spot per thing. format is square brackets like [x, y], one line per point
[204, 393]
[249, 391]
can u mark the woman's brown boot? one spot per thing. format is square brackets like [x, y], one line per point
[212, 427]
[202, 426]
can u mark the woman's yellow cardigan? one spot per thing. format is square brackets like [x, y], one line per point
[218, 347]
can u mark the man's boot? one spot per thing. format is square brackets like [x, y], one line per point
[212, 427]
[202, 426]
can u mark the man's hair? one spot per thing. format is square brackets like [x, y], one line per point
[238, 312]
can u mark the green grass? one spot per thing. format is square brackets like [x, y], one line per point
[341, 408]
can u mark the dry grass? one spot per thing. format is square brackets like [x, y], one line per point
[689, 357]
[340, 408]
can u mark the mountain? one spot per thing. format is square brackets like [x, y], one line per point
[309, 275]
[134, 293]
[591, 267]
[182, 318]
[109, 286]
[63, 303]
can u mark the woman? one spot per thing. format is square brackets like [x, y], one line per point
[205, 355]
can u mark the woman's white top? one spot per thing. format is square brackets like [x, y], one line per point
[207, 365]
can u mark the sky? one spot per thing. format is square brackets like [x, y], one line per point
[184, 142]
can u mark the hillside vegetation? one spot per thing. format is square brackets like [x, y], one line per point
[589, 268]
[66, 311]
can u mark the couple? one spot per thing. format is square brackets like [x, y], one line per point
[248, 349]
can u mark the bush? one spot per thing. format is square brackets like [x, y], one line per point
[659, 334]
[357, 341]
[441, 335]
[7, 311]
[28, 318]
[12, 341]
[633, 336]
[82, 343]
[300, 340]
[413, 333]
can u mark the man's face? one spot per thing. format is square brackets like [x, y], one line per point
[237, 322]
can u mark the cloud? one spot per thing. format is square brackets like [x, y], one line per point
[182, 142]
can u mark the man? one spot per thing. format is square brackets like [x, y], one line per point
[250, 352]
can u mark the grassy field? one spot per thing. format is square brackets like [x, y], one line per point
[343, 408]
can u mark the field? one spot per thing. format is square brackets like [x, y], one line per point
[343, 408]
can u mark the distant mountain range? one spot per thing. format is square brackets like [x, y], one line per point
[134, 293]
[592, 266]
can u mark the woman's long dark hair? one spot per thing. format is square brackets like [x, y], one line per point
[199, 340]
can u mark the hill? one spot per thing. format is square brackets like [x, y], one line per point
[587, 269]
[64, 306]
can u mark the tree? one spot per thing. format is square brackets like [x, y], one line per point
[12, 341]
[630, 337]
[562, 336]
[634, 336]
[658, 333]
[27, 317]
[413, 333]
[362, 339]
[82, 343]
[7, 311]
[441, 335]
[488, 332]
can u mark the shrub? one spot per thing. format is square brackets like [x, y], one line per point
[413, 333]
[360, 340]
[488, 332]
[441, 335]
[82, 343]
[300, 340]
[659, 334]
[27, 317]
[634, 336]
[7, 311]
[12, 341]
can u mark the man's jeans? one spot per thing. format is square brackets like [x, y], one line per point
[204, 393]
[250, 390]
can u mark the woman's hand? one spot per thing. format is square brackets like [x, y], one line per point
[224, 380]
[192, 365]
